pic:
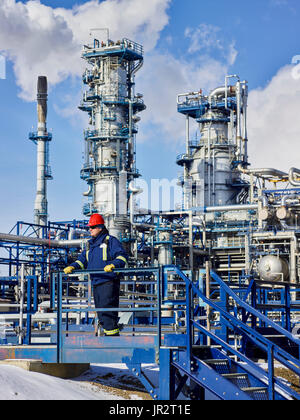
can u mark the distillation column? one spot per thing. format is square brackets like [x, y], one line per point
[112, 105]
[42, 138]
[210, 164]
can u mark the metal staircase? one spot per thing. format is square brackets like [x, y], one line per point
[221, 368]
[207, 351]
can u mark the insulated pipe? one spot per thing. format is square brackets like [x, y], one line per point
[233, 207]
[89, 191]
[135, 190]
[221, 91]
[226, 87]
[245, 134]
[42, 242]
[288, 227]
[185, 95]
[187, 135]
[289, 197]
[263, 199]
[292, 173]
[263, 172]
[238, 120]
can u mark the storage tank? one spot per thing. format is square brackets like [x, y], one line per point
[273, 268]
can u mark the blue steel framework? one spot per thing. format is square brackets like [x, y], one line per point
[183, 358]
[15, 253]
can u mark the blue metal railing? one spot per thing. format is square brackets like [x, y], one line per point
[30, 302]
[274, 351]
[58, 279]
[162, 343]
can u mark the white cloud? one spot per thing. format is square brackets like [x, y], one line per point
[43, 40]
[164, 76]
[205, 36]
[274, 123]
[209, 38]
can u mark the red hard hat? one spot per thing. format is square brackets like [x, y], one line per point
[96, 219]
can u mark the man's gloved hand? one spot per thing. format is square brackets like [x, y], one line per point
[109, 268]
[69, 270]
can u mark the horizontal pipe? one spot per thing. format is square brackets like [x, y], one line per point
[289, 197]
[221, 91]
[42, 242]
[231, 208]
[263, 172]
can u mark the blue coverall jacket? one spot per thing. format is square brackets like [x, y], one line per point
[101, 251]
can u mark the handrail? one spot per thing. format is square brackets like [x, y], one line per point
[253, 311]
[273, 351]
[259, 339]
[58, 277]
[245, 359]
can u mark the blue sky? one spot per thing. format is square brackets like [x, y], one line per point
[189, 44]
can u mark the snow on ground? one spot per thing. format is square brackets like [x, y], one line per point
[19, 384]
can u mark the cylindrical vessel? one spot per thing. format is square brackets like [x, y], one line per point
[273, 268]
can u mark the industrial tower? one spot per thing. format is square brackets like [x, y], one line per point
[210, 178]
[42, 138]
[112, 105]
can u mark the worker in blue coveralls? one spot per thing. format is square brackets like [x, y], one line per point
[103, 252]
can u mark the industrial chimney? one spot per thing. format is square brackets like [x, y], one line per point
[42, 138]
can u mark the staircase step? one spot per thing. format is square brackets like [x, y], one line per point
[215, 361]
[234, 375]
[274, 336]
[254, 389]
[197, 347]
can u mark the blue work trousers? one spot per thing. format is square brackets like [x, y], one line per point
[106, 295]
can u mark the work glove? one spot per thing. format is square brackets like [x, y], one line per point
[109, 268]
[69, 270]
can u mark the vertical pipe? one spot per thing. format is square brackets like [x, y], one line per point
[159, 280]
[293, 262]
[214, 178]
[245, 135]
[207, 284]
[21, 295]
[131, 145]
[59, 318]
[209, 166]
[191, 250]
[187, 135]
[238, 119]
[30, 281]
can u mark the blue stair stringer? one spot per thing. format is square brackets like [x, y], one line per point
[212, 367]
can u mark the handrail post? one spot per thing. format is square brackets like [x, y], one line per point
[253, 304]
[208, 310]
[271, 371]
[21, 296]
[52, 291]
[189, 322]
[287, 302]
[59, 318]
[159, 279]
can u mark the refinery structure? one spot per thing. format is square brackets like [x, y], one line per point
[210, 288]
